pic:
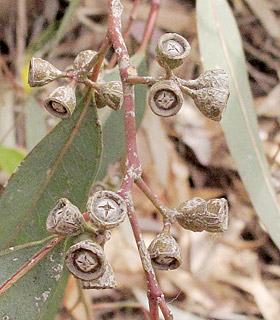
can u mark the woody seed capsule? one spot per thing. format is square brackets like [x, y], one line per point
[106, 209]
[61, 102]
[110, 95]
[165, 98]
[65, 219]
[86, 261]
[42, 72]
[172, 50]
[199, 215]
[165, 252]
[84, 62]
[210, 93]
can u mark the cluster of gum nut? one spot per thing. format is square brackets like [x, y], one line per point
[106, 209]
[210, 91]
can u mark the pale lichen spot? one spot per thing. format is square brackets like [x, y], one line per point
[37, 306]
[132, 113]
[119, 51]
[57, 271]
[45, 295]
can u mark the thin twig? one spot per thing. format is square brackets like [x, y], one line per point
[141, 80]
[154, 292]
[21, 33]
[167, 214]
[132, 17]
[150, 25]
[101, 56]
[132, 165]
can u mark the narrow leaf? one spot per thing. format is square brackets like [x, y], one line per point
[221, 47]
[63, 164]
[49, 38]
[35, 123]
[112, 121]
[10, 159]
[64, 25]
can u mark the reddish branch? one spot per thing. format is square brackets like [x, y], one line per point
[133, 168]
[155, 294]
[132, 165]
[101, 55]
[150, 25]
[132, 17]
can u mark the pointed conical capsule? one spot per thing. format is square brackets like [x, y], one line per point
[42, 72]
[165, 252]
[61, 102]
[106, 281]
[86, 260]
[199, 215]
[110, 95]
[84, 62]
[65, 219]
[172, 50]
[210, 92]
[165, 98]
[218, 215]
[106, 209]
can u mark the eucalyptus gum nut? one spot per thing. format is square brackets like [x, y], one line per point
[99, 100]
[165, 98]
[210, 92]
[65, 219]
[42, 72]
[86, 260]
[61, 102]
[106, 281]
[172, 50]
[84, 62]
[164, 252]
[110, 94]
[106, 209]
[199, 215]
[83, 59]
[219, 209]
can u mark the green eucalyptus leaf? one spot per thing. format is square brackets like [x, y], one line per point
[10, 159]
[64, 25]
[63, 164]
[221, 47]
[112, 121]
[35, 126]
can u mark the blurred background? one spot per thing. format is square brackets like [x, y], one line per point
[230, 276]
